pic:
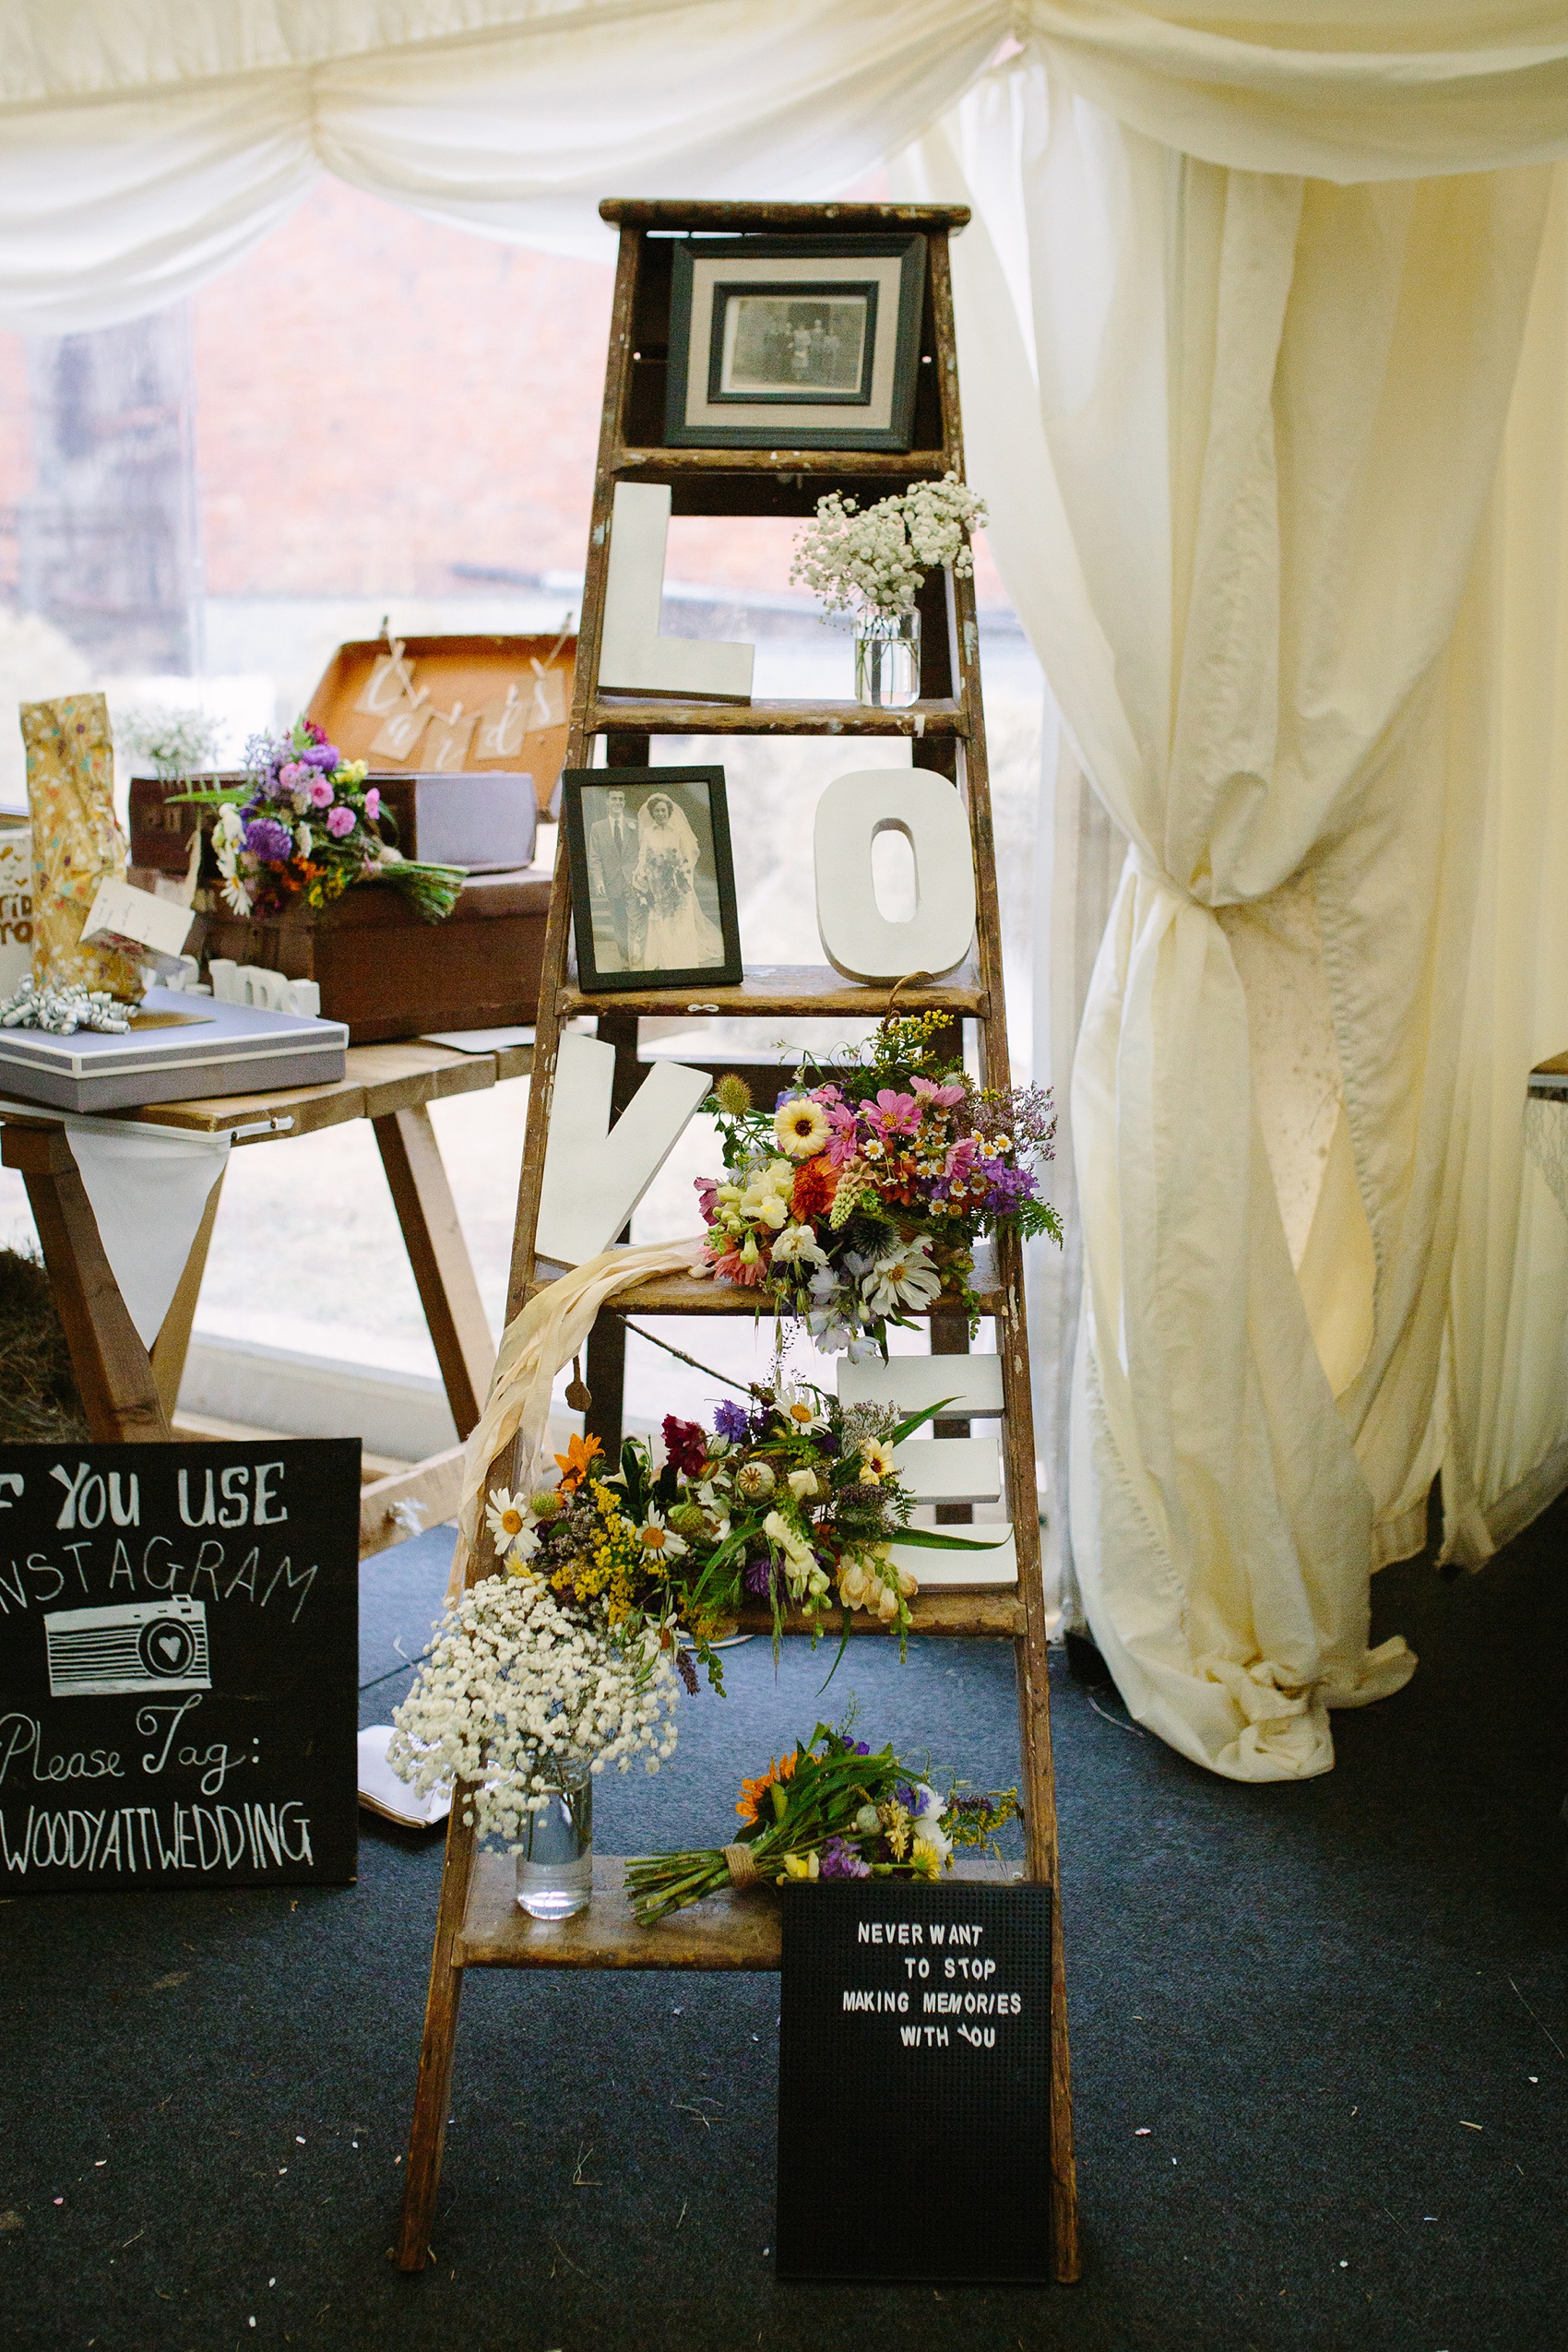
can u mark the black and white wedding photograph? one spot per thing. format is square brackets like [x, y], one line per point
[652, 879]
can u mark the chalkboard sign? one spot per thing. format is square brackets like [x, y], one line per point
[914, 2093]
[179, 1635]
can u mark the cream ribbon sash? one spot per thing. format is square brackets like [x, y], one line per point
[534, 1345]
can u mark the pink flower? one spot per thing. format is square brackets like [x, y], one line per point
[338, 822]
[894, 1114]
[319, 789]
[730, 1266]
[944, 1097]
[293, 772]
[373, 802]
[960, 1160]
[707, 1196]
[842, 1144]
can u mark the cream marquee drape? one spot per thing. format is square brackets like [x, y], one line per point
[1247, 523]
[144, 148]
[1239, 363]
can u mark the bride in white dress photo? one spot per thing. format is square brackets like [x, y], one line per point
[675, 934]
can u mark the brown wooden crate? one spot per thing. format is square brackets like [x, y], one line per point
[389, 975]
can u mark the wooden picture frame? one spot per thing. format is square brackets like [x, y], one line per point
[794, 342]
[647, 885]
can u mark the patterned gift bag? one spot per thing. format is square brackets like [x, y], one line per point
[76, 842]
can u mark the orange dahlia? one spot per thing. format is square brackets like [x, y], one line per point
[815, 1183]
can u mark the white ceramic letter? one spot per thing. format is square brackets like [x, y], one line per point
[858, 940]
[595, 1174]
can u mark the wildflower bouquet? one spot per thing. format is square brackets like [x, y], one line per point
[792, 1499]
[304, 825]
[830, 1809]
[877, 559]
[860, 1197]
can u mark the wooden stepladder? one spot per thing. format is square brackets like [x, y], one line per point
[480, 1924]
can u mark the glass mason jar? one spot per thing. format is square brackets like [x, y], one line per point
[555, 1864]
[887, 659]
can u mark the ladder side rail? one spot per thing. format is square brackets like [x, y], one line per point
[1042, 1857]
[585, 689]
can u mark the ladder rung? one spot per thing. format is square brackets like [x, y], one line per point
[995, 1612]
[729, 1931]
[658, 465]
[639, 715]
[773, 990]
[697, 1294]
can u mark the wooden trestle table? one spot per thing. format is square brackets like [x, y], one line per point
[129, 1392]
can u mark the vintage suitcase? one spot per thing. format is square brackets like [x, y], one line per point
[388, 974]
[447, 705]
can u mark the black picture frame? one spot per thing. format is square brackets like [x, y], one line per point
[612, 915]
[713, 277]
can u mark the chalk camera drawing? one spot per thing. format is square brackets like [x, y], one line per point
[804, 342]
[136, 1646]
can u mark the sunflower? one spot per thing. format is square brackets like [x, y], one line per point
[753, 1791]
[801, 1126]
[574, 1463]
[877, 1462]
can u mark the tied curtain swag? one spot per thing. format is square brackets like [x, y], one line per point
[1248, 316]
[1264, 416]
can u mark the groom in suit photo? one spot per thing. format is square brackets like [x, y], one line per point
[611, 855]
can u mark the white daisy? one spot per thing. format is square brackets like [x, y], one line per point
[659, 1540]
[800, 1409]
[905, 1277]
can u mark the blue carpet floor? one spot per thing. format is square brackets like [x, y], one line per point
[1318, 2037]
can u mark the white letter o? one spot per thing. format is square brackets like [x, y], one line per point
[857, 939]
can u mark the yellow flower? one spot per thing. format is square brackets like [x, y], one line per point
[801, 1126]
[877, 1463]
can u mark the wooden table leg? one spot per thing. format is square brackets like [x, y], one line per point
[439, 1256]
[173, 1341]
[114, 1376]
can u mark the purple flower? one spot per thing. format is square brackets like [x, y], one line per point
[1008, 1186]
[265, 838]
[338, 822]
[320, 755]
[757, 1577]
[731, 1422]
[839, 1860]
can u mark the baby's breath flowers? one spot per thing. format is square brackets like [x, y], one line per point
[614, 1583]
[877, 558]
[513, 1686]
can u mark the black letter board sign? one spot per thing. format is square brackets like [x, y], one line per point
[179, 1637]
[915, 2055]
